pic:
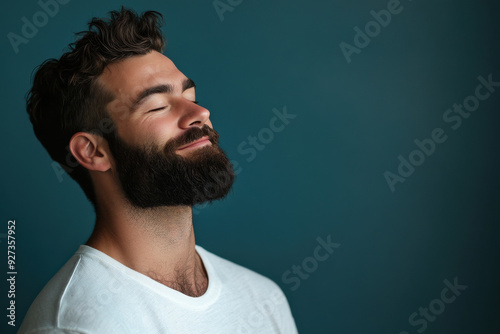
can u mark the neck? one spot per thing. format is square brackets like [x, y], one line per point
[157, 242]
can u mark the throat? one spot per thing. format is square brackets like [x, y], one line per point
[193, 283]
[191, 286]
[187, 287]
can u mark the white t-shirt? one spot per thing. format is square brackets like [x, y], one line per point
[93, 293]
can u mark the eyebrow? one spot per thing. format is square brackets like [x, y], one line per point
[160, 89]
[188, 83]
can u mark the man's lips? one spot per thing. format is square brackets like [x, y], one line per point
[205, 140]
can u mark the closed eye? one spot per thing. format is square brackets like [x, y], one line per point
[196, 102]
[157, 109]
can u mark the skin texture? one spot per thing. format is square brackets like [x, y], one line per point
[158, 242]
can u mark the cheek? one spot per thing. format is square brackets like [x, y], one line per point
[160, 129]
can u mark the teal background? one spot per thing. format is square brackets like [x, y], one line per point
[323, 174]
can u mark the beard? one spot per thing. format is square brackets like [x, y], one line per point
[151, 176]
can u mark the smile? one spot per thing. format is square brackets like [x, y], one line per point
[203, 141]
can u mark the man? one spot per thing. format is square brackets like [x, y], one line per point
[123, 121]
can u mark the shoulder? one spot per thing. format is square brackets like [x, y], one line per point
[254, 295]
[73, 296]
[48, 302]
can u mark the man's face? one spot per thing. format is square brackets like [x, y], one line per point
[165, 150]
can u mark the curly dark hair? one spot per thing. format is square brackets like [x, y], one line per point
[66, 97]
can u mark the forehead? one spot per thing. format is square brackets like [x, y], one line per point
[125, 79]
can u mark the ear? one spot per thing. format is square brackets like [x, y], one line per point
[90, 151]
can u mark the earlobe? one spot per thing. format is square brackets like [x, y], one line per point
[88, 150]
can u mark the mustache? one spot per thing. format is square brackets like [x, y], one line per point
[191, 135]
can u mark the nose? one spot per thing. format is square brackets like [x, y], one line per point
[193, 115]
